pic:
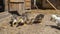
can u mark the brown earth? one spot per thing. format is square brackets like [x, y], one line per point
[46, 27]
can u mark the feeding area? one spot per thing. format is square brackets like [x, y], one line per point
[29, 16]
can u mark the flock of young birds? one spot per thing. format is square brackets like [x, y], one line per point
[24, 19]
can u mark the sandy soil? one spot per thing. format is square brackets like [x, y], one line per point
[46, 27]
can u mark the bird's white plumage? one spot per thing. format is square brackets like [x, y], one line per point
[57, 19]
[14, 21]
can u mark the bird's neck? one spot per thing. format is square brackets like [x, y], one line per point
[56, 17]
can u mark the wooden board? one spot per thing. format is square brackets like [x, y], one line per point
[27, 0]
[27, 4]
[17, 7]
[13, 7]
[16, 0]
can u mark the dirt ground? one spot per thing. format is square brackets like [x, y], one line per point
[46, 27]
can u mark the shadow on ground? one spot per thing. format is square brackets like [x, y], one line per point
[53, 26]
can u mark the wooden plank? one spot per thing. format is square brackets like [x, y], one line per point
[13, 7]
[27, 4]
[27, 0]
[16, 0]
[16, 7]
[6, 5]
[19, 7]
